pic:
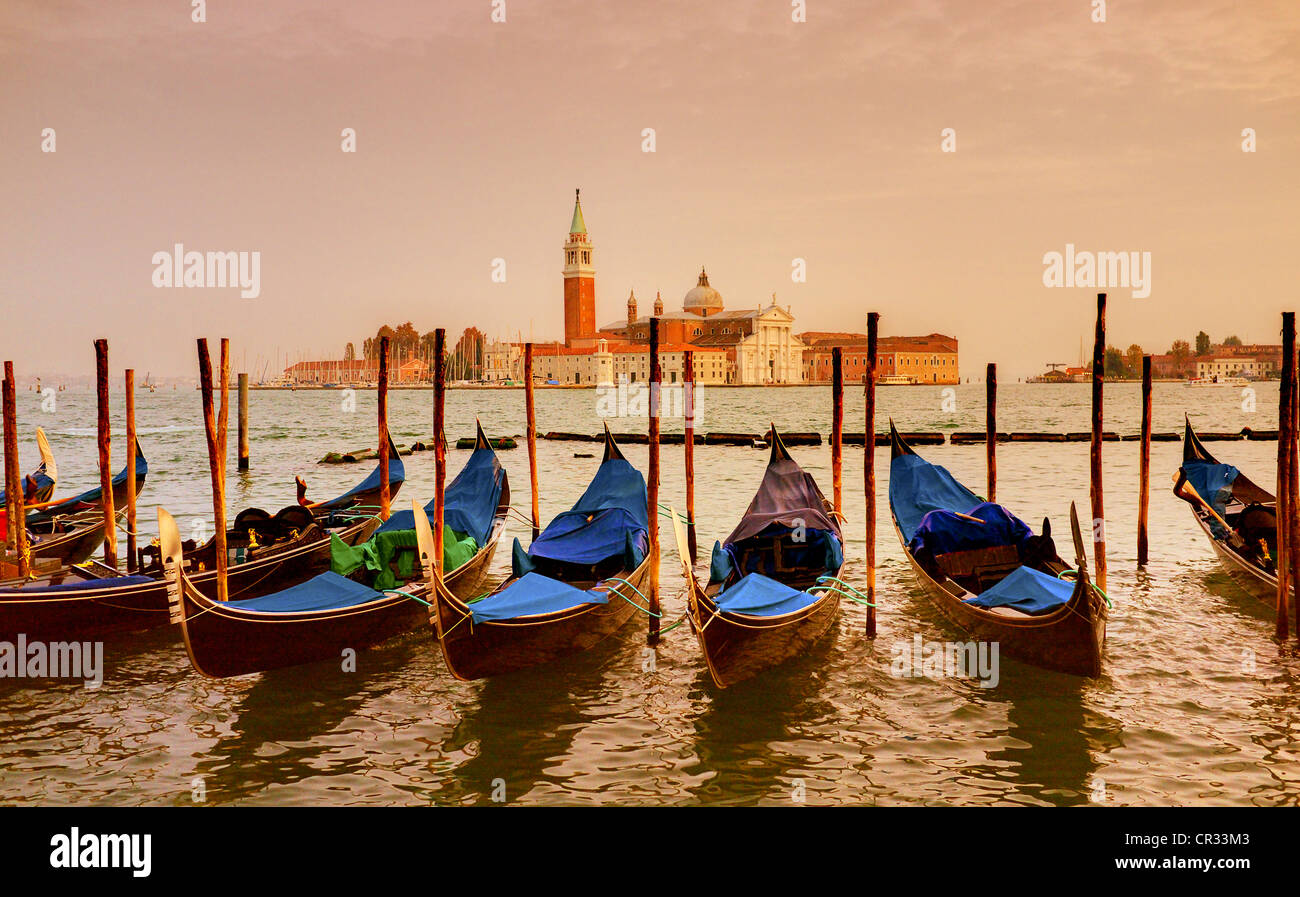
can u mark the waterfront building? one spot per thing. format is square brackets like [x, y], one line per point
[904, 359]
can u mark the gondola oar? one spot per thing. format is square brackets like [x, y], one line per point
[1180, 481]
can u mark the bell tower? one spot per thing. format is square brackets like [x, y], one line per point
[579, 282]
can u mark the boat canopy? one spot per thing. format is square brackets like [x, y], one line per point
[610, 519]
[761, 596]
[943, 531]
[470, 502]
[917, 487]
[327, 591]
[371, 484]
[532, 595]
[91, 497]
[1027, 590]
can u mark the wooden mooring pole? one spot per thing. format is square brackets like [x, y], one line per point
[439, 442]
[243, 421]
[215, 468]
[531, 412]
[837, 428]
[688, 409]
[652, 484]
[15, 512]
[1144, 463]
[869, 473]
[130, 472]
[385, 493]
[1098, 507]
[991, 428]
[1285, 445]
[105, 452]
[1293, 481]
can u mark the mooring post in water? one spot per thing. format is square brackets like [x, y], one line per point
[688, 409]
[243, 421]
[1098, 508]
[223, 420]
[1144, 462]
[215, 469]
[385, 496]
[531, 411]
[1293, 482]
[1284, 449]
[130, 471]
[869, 472]
[439, 441]
[16, 513]
[105, 453]
[652, 485]
[991, 428]
[837, 428]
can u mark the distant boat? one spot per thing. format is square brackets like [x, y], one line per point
[896, 380]
[1216, 380]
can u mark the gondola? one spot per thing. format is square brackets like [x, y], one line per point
[1236, 515]
[774, 583]
[266, 553]
[317, 619]
[578, 582]
[71, 530]
[987, 573]
[364, 495]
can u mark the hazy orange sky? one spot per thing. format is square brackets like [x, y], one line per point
[775, 140]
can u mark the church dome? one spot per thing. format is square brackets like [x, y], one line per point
[702, 298]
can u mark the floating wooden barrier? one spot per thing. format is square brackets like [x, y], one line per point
[730, 438]
[1259, 435]
[913, 438]
[572, 437]
[497, 442]
[1219, 436]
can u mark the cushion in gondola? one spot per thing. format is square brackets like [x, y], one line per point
[761, 596]
[328, 591]
[531, 595]
[1027, 590]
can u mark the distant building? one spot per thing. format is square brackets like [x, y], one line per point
[919, 359]
[612, 363]
[1233, 366]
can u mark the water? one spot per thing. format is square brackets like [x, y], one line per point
[1197, 704]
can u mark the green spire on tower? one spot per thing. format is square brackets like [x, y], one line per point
[578, 226]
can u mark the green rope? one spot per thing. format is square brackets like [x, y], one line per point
[1096, 588]
[852, 594]
[665, 511]
[408, 595]
[645, 610]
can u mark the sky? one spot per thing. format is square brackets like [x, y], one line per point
[774, 140]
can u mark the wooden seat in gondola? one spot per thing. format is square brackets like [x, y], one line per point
[979, 568]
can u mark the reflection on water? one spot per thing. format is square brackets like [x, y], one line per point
[1197, 704]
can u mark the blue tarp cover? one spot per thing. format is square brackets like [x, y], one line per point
[917, 487]
[530, 595]
[470, 501]
[396, 474]
[759, 596]
[1027, 590]
[599, 526]
[1212, 481]
[33, 483]
[943, 531]
[81, 585]
[90, 496]
[327, 591]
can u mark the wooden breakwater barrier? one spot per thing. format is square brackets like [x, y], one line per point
[957, 437]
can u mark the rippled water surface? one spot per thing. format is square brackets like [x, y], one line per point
[1197, 704]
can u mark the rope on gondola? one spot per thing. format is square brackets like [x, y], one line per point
[1074, 576]
[666, 511]
[843, 589]
[645, 610]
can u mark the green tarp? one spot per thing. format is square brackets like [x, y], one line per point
[377, 555]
